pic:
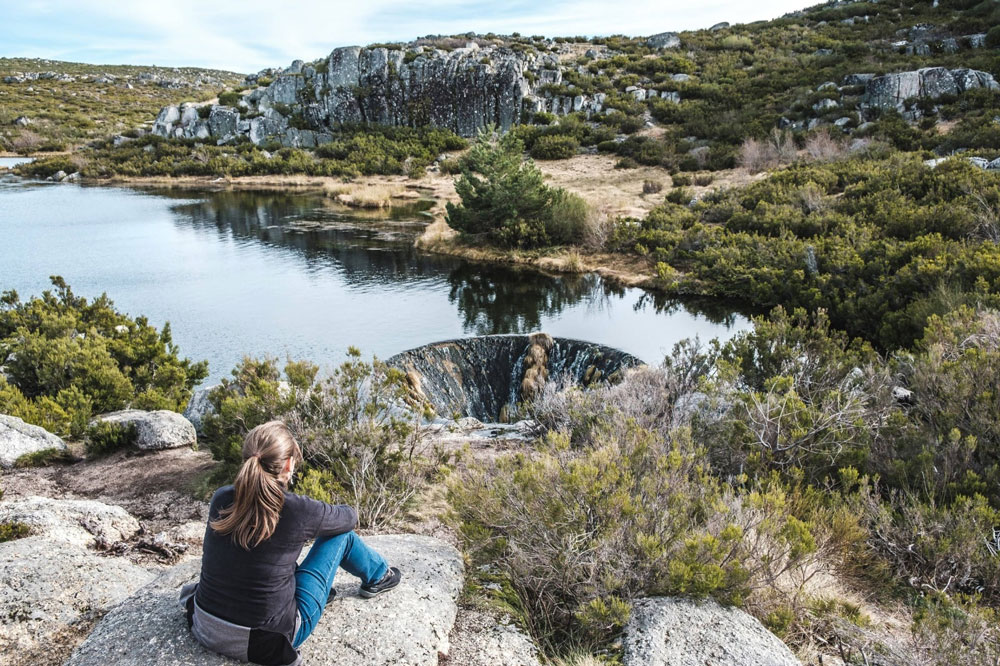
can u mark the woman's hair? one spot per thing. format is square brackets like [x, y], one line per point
[253, 515]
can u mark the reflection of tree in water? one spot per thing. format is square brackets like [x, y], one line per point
[366, 251]
[496, 299]
[362, 249]
[715, 311]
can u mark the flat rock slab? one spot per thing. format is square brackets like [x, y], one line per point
[666, 631]
[158, 429]
[82, 523]
[18, 438]
[484, 638]
[408, 626]
[50, 585]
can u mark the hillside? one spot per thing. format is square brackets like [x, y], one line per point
[66, 104]
[833, 471]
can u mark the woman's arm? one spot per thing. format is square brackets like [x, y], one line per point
[324, 519]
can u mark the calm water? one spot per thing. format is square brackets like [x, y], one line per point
[11, 162]
[293, 275]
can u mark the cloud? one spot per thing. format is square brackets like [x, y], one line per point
[252, 34]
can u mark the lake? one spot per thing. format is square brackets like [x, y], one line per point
[11, 162]
[294, 275]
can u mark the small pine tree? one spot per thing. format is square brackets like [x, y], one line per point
[504, 196]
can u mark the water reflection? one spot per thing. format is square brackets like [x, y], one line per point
[502, 300]
[289, 274]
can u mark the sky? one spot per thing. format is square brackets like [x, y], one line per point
[249, 35]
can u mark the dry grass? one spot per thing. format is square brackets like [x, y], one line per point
[595, 178]
[580, 659]
[365, 195]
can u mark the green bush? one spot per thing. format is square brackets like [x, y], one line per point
[105, 437]
[680, 195]
[39, 458]
[358, 448]
[67, 358]
[555, 147]
[229, 98]
[505, 199]
[880, 242]
[993, 38]
[12, 530]
[578, 533]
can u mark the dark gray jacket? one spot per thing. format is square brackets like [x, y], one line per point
[244, 603]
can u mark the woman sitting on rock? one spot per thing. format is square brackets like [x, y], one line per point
[252, 602]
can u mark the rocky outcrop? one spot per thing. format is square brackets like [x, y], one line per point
[893, 90]
[409, 626]
[53, 582]
[463, 90]
[199, 407]
[18, 438]
[81, 523]
[664, 40]
[155, 430]
[484, 377]
[481, 638]
[667, 631]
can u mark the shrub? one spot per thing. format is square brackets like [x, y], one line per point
[652, 186]
[579, 533]
[105, 437]
[759, 155]
[543, 118]
[797, 397]
[821, 146]
[505, 199]
[229, 98]
[39, 458]
[680, 195]
[555, 147]
[358, 446]
[570, 217]
[993, 37]
[12, 530]
[26, 142]
[68, 358]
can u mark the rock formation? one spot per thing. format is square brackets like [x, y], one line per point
[665, 631]
[664, 40]
[410, 626]
[159, 429]
[199, 407]
[53, 583]
[18, 438]
[463, 90]
[892, 90]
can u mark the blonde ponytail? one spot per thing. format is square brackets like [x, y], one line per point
[260, 493]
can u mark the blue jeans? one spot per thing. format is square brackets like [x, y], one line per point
[314, 577]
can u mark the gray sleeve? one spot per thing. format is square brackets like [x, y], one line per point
[322, 519]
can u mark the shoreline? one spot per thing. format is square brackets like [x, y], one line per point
[437, 237]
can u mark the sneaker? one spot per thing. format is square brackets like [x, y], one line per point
[389, 581]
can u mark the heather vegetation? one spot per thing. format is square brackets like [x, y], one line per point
[78, 103]
[359, 446]
[66, 359]
[354, 151]
[879, 240]
[835, 471]
[756, 471]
